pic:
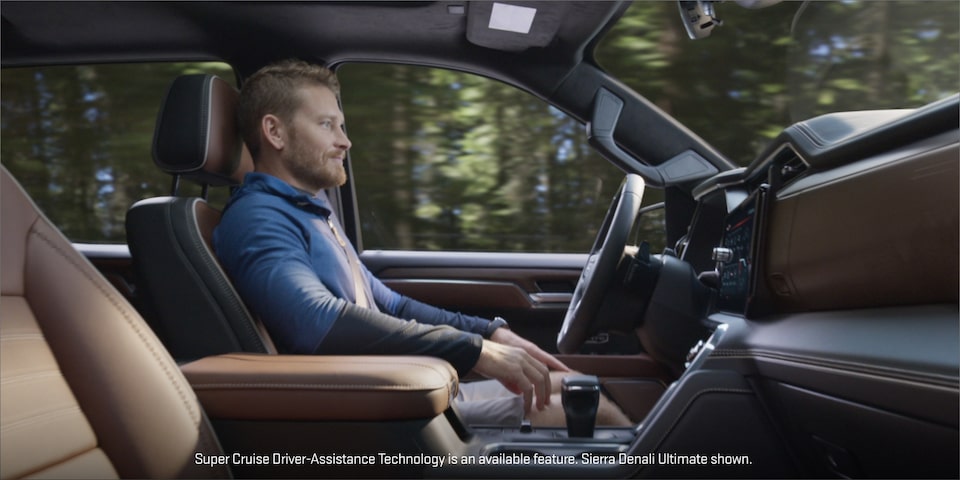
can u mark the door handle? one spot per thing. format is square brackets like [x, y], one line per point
[551, 298]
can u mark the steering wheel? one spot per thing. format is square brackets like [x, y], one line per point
[601, 265]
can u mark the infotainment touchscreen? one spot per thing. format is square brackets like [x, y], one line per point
[740, 246]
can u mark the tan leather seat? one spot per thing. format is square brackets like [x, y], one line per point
[86, 389]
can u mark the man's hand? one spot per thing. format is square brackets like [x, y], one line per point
[517, 370]
[506, 336]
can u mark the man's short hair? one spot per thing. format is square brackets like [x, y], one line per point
[274, 90]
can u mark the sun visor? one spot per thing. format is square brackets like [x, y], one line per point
[514, 26]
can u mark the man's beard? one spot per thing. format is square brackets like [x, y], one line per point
[313, 168]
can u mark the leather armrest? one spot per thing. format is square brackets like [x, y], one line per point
[245, 386]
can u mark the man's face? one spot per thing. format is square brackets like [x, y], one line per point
[317, 143]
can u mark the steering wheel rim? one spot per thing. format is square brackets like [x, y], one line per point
[607, 251]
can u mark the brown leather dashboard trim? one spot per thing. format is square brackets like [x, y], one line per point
[878, 232]
[322, 388]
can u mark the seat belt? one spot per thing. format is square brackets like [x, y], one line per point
[364, 297]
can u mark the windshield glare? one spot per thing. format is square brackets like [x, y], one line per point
[765, 69]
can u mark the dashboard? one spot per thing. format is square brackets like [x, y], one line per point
[832, 214]
[834, 258]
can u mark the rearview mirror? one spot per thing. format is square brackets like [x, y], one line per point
[699, 17]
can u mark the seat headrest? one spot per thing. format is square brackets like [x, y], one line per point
[197, 136]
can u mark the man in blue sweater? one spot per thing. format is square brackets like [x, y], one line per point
[282, 246]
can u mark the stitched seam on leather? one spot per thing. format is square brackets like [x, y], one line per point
[366, 360]
[436, 368]
[28, 376]
[21, 336]
[46, 417]
[163, 363]
[314, 386]
[63, 461]
[686, 407]
[843, 365]
[448, 386]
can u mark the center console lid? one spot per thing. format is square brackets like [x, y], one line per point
[243, 386]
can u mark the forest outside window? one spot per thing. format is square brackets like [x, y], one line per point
[449, 161]
[763, 70]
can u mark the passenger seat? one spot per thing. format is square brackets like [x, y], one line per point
[87, 389]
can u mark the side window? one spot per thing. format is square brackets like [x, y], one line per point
[78, 139]
[451, 161]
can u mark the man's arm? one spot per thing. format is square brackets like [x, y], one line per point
[272, 269]
[361, 331]
[267, 256]
[402, 306]
[405, 307]
[523, 368]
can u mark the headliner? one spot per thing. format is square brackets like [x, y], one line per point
[249, 34]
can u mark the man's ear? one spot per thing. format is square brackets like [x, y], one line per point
[272, 130]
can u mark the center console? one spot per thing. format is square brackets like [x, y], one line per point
[527, 451]
[580, 395]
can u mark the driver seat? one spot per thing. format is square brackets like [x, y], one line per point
[196, 311]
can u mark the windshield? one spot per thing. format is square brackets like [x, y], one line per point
[764, 69]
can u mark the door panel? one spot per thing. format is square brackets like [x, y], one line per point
[531, 291]
[485, 288]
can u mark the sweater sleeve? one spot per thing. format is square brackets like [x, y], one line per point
[407, 308]
[361, 331]
[413, 309]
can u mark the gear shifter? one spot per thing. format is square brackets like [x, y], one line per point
[580, 395]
